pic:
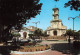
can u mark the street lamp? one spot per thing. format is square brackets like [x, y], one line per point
[73, 22]
[36, 23]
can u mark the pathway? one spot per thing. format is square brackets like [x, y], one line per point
[50, 52]
[45, 53]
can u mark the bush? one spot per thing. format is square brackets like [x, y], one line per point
[76, 44]
[16, 34]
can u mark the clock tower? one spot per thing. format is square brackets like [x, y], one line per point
[55, 13]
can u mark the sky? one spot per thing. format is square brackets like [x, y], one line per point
[64, 13]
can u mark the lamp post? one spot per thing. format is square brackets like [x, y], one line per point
[36, 23]
[73, 23]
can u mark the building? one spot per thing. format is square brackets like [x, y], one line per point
[24, 32]
[57, 28]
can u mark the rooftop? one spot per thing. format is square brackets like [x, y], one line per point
[55, 8]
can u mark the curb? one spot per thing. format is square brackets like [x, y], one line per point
[18, 52]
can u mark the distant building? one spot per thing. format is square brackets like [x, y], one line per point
[26, 31]
[57, 28]
[31, 27]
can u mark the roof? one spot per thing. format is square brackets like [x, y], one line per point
[31, 26]
[55, 8]
[55, 29]
[31, 30]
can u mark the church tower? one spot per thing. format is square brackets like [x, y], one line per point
[55, 13]
[56, 28]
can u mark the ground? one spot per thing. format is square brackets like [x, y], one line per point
[46, 53]
[58, 47]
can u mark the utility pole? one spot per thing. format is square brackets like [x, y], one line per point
[73, 23]
[36, 23]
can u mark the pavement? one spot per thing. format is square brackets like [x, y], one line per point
[50, 52]
[60, 47]
[49, 42]
[36, 52]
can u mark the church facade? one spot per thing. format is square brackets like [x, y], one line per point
[57, 28]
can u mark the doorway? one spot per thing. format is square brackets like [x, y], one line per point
[24, 35]
[55, 33]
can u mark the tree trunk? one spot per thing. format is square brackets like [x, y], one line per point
[3, 33]
[69, 40]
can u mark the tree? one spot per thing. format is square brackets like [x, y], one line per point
[69, 33]
[74, 4]
[31, 36]
[76, 35]
[38, 32]
[78, 30]
[56, 0]
[16, 35]
[45, 34]
[76, 43]
[15, 13]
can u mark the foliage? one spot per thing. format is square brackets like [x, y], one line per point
[78, 30]
[15, 13]
[76, 35]
[38, 32]
[56, 0]
[74, 4]
[31, 36]
[45, 34]
[76, 44]
[16, 35]
[9, 36]
[69, 32]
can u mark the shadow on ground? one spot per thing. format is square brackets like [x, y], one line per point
[5, 50]
[65, 48]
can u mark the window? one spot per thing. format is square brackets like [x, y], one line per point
[54, 11]
[48, 32]
[55, 17]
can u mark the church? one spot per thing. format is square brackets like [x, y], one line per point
[56, 28]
